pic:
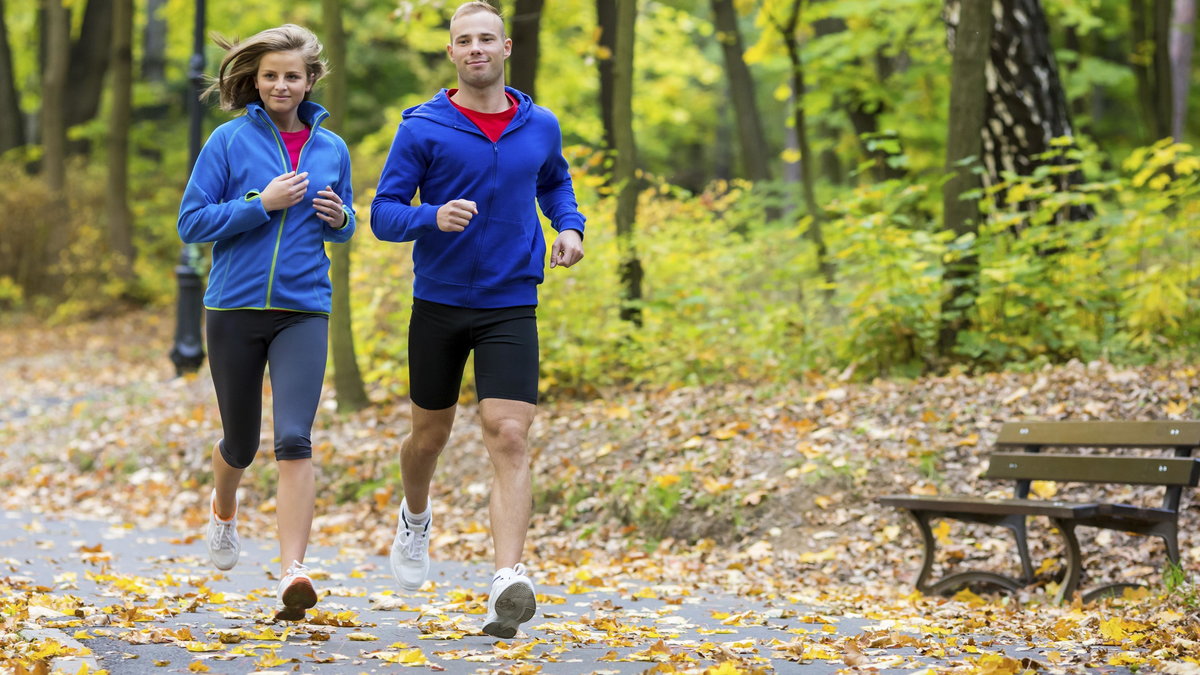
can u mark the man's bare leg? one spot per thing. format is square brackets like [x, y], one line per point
[419, 453]
[505, 434]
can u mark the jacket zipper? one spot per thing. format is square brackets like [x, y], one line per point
[491, 198]
[472, 129]
[283, 216]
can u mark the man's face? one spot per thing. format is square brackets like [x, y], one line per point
[478, 49]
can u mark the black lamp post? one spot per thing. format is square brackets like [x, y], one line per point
[188, 352]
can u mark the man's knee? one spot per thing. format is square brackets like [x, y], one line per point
[507, 434]
[428, 441]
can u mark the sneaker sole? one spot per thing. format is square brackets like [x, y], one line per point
[515, 606]
[224, 568]
[296, 600]
[408, 587]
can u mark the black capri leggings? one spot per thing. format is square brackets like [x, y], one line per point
[241, 342]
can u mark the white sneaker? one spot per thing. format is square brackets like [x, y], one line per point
[511, 602]
[223, 544]
[296, 593]
[410, 552]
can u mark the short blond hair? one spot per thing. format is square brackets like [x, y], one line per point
[235, 78]
[475, 6]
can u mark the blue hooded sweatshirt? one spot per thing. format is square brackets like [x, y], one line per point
[499, 260]
[266, 260]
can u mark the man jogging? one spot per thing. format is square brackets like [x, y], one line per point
[480, 155]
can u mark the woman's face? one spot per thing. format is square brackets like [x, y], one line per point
[282, 82]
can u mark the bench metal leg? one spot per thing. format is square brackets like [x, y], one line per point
[1017, 527]
[927, 542]
[953, 582]
[1074, 559]
[1171, 539]
[1167, 531]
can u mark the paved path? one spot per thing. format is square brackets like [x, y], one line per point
[117, 569]
[149, 602]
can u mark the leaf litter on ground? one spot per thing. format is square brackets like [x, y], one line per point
[760, 490]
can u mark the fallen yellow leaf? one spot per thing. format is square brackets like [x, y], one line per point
[667, 480]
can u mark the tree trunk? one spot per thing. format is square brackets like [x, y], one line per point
[723, 152]
[606, 21]
[56, 41]
[347, 379]
[154, 43]
[755, 155]
[788, 30]
[1163, 99]
[120, 227]
[1150, 32]
[12, 133]
[1139, 35]
[1183, 36]
[89, 62]
[526, 28]
[1026, 106]
[625, 171]
[970, 33]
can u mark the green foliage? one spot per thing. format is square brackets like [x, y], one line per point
[888, 251]
[652, 505]
[730, 293]
[55, 252]
[1114, 286]
[730, 296]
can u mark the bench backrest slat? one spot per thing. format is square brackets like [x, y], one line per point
[1095, 468]
[1096, 434]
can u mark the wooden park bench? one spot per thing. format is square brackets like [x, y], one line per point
[1019, 458]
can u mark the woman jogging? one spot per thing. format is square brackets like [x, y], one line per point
[269, 189]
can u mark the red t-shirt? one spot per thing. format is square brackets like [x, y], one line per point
[294, 141]
[491, 124]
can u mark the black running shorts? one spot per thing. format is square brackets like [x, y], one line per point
[440, 337]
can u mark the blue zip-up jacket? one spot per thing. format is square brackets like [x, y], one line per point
[266, 260]
[499, 260]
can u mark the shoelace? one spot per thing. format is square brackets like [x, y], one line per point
[517, 570]
[412, 542]
[225, 534]
[296, 568]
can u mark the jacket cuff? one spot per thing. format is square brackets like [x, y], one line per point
[346, 215]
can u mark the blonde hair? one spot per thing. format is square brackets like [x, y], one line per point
[235, 81]
[477, 6]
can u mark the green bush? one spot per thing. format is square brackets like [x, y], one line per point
[729, 295]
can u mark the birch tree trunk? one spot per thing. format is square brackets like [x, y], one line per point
[1026, 106]
[1183, 37]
